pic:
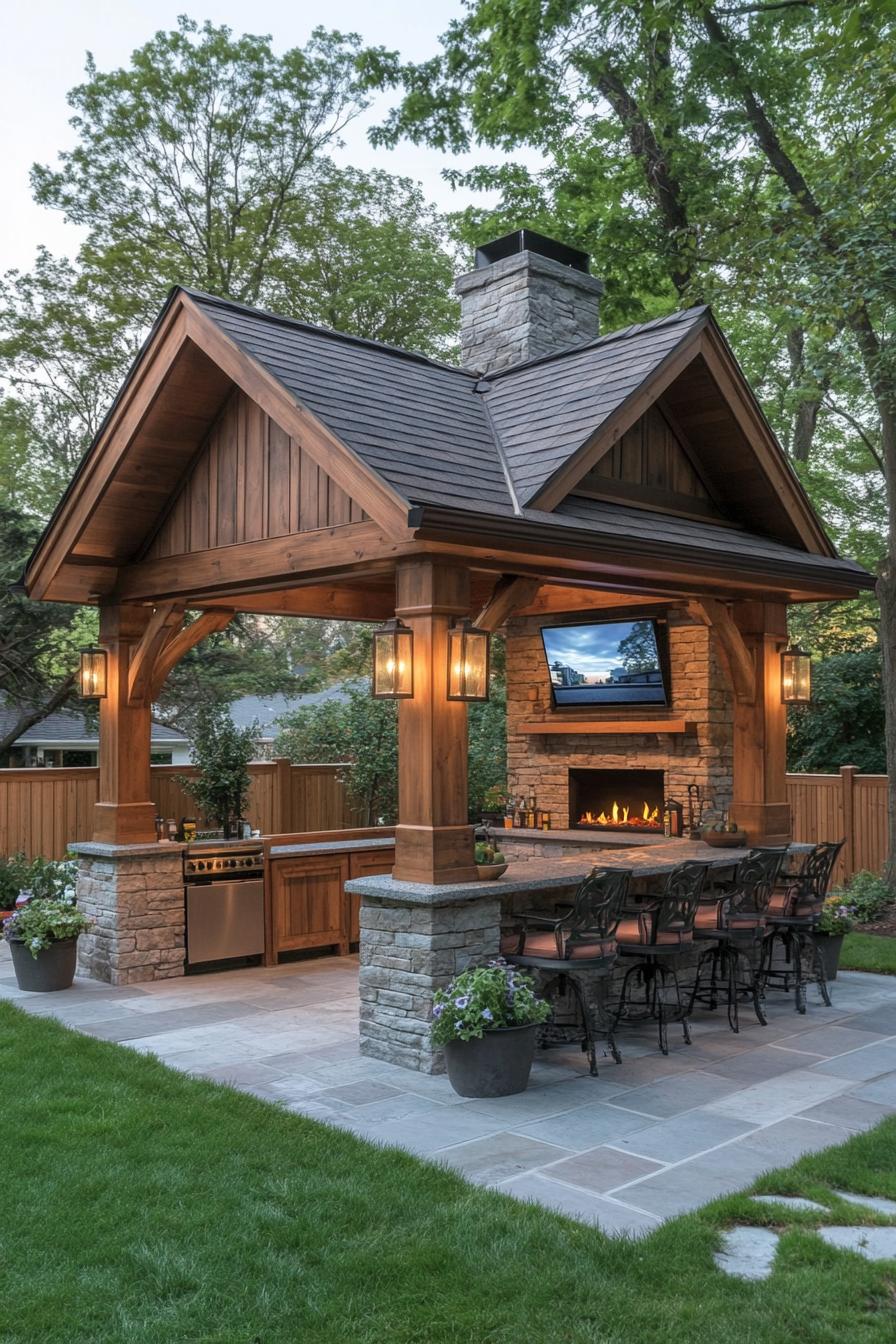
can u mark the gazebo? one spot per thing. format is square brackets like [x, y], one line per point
[254, 463]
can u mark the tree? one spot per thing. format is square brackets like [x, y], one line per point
[39, 642]
[222, 752]
[844, 725]
[747, 152]
[638, 649]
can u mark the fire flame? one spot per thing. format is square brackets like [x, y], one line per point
[622, 816]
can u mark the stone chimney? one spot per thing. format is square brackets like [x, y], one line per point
[528, 296]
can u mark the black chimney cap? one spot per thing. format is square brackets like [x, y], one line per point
[526, 240]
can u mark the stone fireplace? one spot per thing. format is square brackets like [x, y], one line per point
[630, 801]
[613, 747]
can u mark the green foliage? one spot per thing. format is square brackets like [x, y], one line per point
[867, 894]
[844, 725]
[45, 920]
[222, 752]
[835, 917]
[485, 998]
[487, 751]
[359, 730]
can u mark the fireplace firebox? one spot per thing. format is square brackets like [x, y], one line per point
[616, 800]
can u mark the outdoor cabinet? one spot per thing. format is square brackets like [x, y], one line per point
[308, 902]
[364, 863]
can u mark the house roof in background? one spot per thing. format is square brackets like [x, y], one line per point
[69, 727]
[265, 710]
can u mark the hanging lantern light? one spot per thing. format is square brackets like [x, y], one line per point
[468, 657]
[796, 677]
[92, 674]
[393, 661]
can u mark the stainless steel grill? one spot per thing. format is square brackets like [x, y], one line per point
[224, 898]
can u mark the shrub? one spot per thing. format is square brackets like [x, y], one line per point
[484, 999]
[835, 918]
[868, 895]
[45, 879]
[42, 922]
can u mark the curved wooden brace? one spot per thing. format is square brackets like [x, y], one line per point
[182, 642]
[736, 656]
[510, 593]
[163, 624]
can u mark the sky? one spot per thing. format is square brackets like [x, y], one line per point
[42, 57]
[591, 649]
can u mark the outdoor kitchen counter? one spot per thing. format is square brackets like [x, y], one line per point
[546, 875]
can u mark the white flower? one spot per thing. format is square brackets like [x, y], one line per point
[35, 943]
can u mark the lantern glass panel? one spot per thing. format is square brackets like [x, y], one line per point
[796, 677]
[393, 662]
[468, 659]
[92, 674]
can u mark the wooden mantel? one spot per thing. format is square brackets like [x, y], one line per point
[606, 726]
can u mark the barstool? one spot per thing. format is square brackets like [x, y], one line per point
[794, 912]
[731, 916]
[577, 948]
[657, 933]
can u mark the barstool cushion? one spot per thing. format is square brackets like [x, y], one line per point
[545, 945]
[638, 930]
[710, 916]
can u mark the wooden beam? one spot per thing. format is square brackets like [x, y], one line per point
[124, 812]
[736, 656]
[604, 727]
[163, 625]
[323, 600]
[557, 599]
[340, 462]
[225, 570]
[760, 803]
[183, 641]
[510, 592]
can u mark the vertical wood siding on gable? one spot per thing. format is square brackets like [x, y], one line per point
[650, 454]
[250, 481]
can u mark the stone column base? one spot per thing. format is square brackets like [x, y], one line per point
[407, 953]
[134, 894]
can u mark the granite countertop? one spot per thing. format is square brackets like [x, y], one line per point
[552, 874]
[329, 847]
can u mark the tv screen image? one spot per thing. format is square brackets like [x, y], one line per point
[605, 663]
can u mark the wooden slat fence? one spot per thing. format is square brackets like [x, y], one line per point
[42, 811]
[850, 805]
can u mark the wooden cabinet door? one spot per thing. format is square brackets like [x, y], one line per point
[364, 863]
[308, 902]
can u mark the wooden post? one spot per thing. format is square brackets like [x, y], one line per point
[847, 862]
[760, 729]
[124, 813]
[433, 838]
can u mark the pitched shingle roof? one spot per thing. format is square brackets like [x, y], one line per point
[67, 725]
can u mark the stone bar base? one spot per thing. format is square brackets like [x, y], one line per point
[134, 894]
[407, 953]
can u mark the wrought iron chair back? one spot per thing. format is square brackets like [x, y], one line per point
[810, 886]
[597, 907]
[754, 882]
[677, 906]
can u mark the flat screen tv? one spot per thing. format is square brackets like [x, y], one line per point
[607, 663]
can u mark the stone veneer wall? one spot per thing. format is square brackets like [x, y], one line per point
[407, 953]
[700, 694]
[135, 896]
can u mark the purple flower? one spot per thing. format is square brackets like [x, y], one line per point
[462, 1002]
[438, 1009]
[488, 1014]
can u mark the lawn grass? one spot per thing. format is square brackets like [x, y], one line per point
[869, 952]
[141, 1206]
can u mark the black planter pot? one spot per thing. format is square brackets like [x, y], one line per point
[53, 967]
[829, 945]
[497, 1065]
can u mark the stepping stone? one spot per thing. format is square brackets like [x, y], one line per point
[790, 1202]
[874, 1243]
[875, 1202]
[747, 1252]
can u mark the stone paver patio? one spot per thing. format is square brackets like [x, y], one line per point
[650, 1138]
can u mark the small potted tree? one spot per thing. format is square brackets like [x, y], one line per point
[43, 931]
[486, 1021]
[222, 752]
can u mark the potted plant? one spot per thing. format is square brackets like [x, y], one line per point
[222, 752]
[43, 935]
[486, 1021]
[834, 923]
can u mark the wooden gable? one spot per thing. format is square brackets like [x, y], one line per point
[652, 466]
[250, 481]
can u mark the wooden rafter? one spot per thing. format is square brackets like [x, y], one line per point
[163, 625]
[738, 660]
[510, 592]
[182, 642]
